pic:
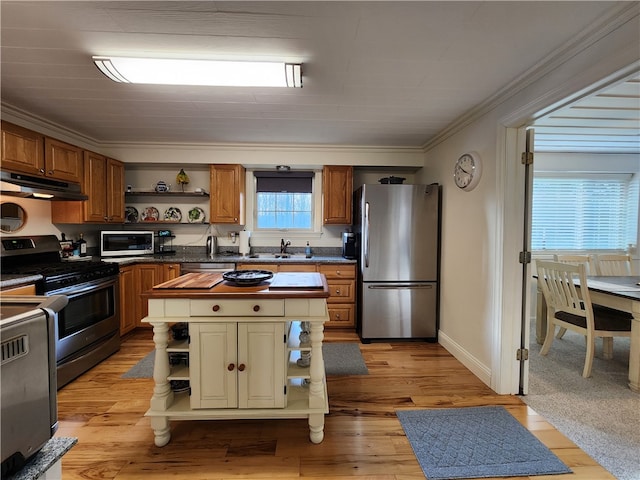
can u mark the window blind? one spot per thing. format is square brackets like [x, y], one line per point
[290, 182]
[586, 212]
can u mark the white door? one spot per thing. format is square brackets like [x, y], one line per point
[261, 365]
[213, 365]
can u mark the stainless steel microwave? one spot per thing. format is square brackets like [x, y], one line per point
[121, 244]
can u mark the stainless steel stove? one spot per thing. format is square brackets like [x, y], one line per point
[88, 328]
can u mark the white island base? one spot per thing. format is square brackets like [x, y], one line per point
[242, 361]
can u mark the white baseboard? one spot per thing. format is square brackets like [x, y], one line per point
[477, 368]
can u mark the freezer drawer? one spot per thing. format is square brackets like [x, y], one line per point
[398, 310]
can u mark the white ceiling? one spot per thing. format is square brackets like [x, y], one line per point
[375, 73]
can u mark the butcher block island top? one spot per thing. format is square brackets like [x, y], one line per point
[252, 351]
[212, 285]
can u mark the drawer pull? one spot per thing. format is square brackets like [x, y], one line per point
[337, 316]
[241, 367]
[256, 308]
[215, 308]
[337, 291]
[231, 367]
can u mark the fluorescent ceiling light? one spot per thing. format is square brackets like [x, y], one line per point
[200, 72]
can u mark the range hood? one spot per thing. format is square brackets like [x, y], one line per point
[29, 186]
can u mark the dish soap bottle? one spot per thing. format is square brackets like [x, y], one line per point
[307, 251]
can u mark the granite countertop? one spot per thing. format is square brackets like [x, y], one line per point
[17, 280]
[189, 256]
[231, 258]
[42, 461]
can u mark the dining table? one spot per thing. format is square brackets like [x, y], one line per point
[619, 292]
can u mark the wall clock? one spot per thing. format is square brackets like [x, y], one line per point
[467, 171]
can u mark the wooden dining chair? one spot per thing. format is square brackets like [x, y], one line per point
[613, 264]
[565, 291]
[586, 260]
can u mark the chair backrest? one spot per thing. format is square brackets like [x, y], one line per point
[585, 260]
[564, 287]
[612, 264]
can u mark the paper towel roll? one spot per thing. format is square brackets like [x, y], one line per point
[244, 242]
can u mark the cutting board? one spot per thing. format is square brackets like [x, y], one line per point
[193, 280]
[296, 280]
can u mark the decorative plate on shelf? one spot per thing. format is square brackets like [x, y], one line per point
[196, 215]
[150, 214]
[247, 278]
[172, 214]
[130, 214]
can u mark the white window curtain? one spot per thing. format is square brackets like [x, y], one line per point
[584, 212]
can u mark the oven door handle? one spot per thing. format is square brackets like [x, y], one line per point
[75, 290]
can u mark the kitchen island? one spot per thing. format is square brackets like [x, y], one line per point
[247, 349]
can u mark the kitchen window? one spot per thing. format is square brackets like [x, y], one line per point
[584, 212]
[284, 201]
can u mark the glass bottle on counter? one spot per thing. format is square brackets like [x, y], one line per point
[82, 246]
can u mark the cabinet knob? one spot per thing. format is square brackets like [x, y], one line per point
[337, 316]
[241, 367]
[41, 170]
[256, 308]
[337, 291]
[231, 367]
[215, 308]
[50, 172]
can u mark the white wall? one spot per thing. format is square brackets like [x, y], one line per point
[482, 229]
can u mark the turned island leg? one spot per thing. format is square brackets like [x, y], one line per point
[316, 387]
[162, 394]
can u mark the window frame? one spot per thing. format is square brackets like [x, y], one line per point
[251, 218]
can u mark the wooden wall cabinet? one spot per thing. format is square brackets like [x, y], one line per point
[32, 153]
[103, 183]
[62, 160]
[337, 189]
[341, 279]
[22, 150]
[227, 194]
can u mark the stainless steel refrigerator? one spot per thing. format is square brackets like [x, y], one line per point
[397, 230]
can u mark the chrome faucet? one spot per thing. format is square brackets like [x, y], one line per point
[283, 246]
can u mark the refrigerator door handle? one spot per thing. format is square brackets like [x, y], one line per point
[400, 287]
[366, 235]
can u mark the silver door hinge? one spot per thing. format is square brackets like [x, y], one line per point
[527, 158]
[522, 354]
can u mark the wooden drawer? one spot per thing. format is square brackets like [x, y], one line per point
[341, 316]
[272, 267]
[22, 290]
[297, 267]
[235, 308]
[341, 291]
[338, 271]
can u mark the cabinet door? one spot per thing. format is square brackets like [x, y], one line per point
[95, 172]
[62, 160]
[127, 299]
[147, 275]
[261, 351]
[115, 191]
[337, 189]
[227, 194]
[170, 271]
[213, 365]
[22, 150]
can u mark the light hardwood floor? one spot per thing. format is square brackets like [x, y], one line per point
[363, 438]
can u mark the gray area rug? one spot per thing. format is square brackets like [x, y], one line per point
[339, 359]
[476, 442]
[600, 414]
